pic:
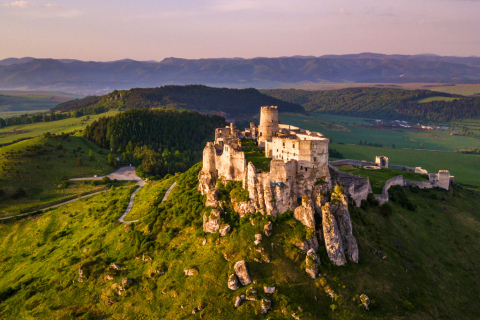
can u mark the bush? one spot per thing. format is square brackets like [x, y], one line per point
[106, 180]
[407, 305]
[397, 195]
[19, 193]
[386, 209]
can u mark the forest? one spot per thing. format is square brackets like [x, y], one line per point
[385, 103]
[233, 102]
[159, 142]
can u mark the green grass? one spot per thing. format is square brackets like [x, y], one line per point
[462, 89]
[379, 177]
[430, 99]
[432, 262]
[19, 132]
[255, 155]
[39, 166]
[146, 197]
[25, 100]
[465, 167]
[11, 114]
[362, 129]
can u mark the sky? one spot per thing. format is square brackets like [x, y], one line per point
[106, 30]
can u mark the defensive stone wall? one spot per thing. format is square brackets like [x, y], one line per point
[395, 181]
[352, 162]
[403, 168]
[356, 187]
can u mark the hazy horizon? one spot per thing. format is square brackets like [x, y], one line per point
[153, 30]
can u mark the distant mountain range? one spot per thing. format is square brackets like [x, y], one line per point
[100, 77]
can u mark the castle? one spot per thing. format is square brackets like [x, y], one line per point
[298, 166]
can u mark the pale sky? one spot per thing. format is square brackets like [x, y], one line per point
[105, 30]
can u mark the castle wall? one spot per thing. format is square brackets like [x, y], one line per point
[352, 162]
[231, 163]
[395, 181]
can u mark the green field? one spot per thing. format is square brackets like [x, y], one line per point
[362, 129]
[41, 166]
[11, 114]
[32, 100]
[430, 266]
[465, 167]
[430, 99]
[462, 89]
[379, 177]
[19, 132]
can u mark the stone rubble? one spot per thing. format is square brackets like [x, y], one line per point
[239, 300]
[241, 271]
[224, 230]
[232, 282]
[211, 222]
[268, 228]
[258, 239]
[266, 305]
[312, 262]
[269, 290]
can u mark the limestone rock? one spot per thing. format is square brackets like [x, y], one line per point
[238, 300]
[226, 229]
[332, 236]
[115, 266]
[268, 228]
[204, 242]
[126, 282]
[190, 272]
[365, 301]
[197, 309]
[232, 282]
[339, 208]
[269, 290]
[266, 305]
[108, 277]
[211, 222]
[242, 272]
[305, 213]
[308, 244]
[312, 262]
[146, 258]
[258, 239]
[251, 295]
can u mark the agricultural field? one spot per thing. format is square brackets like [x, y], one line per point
[21, 132]
[430, 99]
[41, 258]
[31, 100]
[378, 177]
[41, 166]
[362, 129]
[465, 167]
[11, 114]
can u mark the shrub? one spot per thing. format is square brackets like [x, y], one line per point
[407, 305]
[19, 193]
[106, 180]
[397, 195]
[386, 209]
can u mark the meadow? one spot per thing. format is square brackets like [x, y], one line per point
[41, 166]
[42, 256]
[362, 129]
[31, 100]
[21, 132]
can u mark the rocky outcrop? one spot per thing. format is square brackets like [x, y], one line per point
[269, 290]
[266, 305]
[308, 244]
[332, 236]
[312, 262]
[224, 230]
[339, 208]
[211, 221]
[190, 272]
[258, 239]
[232, 282]
[251, 295]
[306, 213]
[238, 300]
[242, 272]
[268, 228]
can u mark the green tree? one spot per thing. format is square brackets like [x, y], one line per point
[90, 155]
[79, 162]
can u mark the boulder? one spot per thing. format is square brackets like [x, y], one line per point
[365, 301]
[332, 236]
[190, 272]
[126, 282]
[115, 266]
[238, 300]
[305, 213]
[269, 290]
[266, 305]
[232, 282]
[312, 262]
[339, 208]
[108, 277]
[258, 239]
[242, 272]
[204, 242]
[268, 228]
[211, 222]
[308, 244]
[224, 230]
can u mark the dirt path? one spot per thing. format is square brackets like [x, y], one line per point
[122, 174]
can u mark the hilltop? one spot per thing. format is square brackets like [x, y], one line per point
[420, 264]
[227, 102]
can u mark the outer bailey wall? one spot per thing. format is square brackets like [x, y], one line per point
[352, 162]
[395, 181]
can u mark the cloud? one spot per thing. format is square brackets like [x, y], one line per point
[19, 4]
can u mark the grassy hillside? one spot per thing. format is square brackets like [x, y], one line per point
[430, 270]
[384, 103]
[25, 131]
[228, 102]
[41, 166]
[28, 101]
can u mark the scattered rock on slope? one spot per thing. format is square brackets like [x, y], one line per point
[242, 272]
[232, 282]
[312, 262]
[211, 222]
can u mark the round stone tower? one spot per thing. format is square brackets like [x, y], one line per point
[268, 124]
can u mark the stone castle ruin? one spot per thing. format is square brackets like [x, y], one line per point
[299, 173]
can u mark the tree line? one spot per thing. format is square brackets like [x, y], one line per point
[159, 141]
[385, 103]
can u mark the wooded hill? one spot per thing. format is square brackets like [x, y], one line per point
[232, 102]
[385, 103]
[158, 141]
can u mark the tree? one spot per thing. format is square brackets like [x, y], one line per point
[421, 145]
[79, 162]
[90, 155]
